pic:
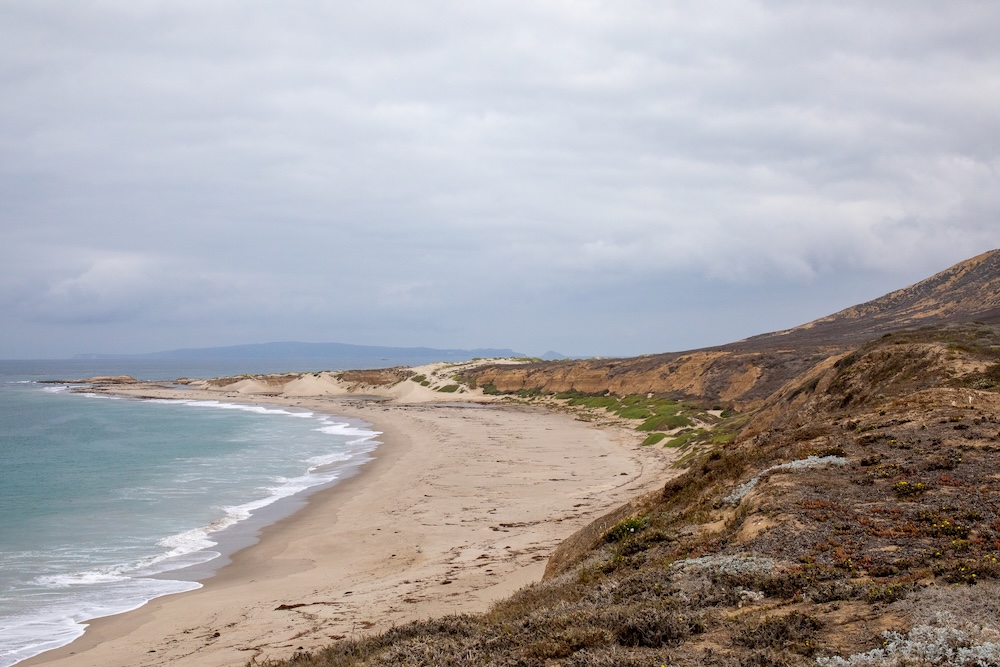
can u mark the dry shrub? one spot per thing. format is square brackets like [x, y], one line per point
[767, 658]
[777, 632]
[654, 627]
[566, 643]
[615, 656]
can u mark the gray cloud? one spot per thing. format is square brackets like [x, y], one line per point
[584, 177]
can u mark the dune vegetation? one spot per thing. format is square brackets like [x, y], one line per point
[851, 519]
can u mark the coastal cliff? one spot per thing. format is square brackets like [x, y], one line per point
[745, 373]
[850, 517]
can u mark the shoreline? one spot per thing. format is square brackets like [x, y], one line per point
[460, 506]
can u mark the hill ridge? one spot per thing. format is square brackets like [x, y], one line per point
[744, 373]
[965, 291]
[850, 518]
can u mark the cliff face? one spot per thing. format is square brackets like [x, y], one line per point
[714, 376]
[745, 373]
[853, 519]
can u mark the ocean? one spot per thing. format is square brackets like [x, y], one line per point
[108, 503]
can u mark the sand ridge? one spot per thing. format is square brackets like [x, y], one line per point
[461, 506]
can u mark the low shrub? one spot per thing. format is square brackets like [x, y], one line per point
[889, 592]
[905, 489]
[655, 627]
[793, 630]
[625, 528]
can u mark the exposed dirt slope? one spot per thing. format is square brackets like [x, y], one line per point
[855, 519]
[744, 373]
[712, 376]
[860, 500]
[968, 291]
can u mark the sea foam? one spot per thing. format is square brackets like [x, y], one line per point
[74, 584]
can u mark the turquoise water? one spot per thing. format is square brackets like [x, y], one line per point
[102, 499]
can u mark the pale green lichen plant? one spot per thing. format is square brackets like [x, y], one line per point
[727, 564]
[743, 489]
[968, 646]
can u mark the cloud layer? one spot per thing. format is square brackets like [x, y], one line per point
[595, 177]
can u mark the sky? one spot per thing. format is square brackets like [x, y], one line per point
[596, 178]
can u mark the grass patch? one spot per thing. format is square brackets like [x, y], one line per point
[656, 413]
[572, 393]
[634, 412]
[664, 423]
[688, 438]
[449, 388]
[596, 402]
[654, 438]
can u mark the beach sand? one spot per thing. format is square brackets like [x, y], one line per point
[461, 506]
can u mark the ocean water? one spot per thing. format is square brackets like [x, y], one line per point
[104, 502]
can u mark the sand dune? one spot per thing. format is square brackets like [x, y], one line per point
[319, 384]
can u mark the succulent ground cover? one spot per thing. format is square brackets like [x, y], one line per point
[852, 520]
[668, 422]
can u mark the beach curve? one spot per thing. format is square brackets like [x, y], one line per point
[460, 507]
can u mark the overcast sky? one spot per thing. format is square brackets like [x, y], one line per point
[609, 178]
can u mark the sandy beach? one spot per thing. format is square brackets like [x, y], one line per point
[461, 506]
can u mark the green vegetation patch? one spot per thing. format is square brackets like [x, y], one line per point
[657, 413]
[572, 393]
[634, 412]
[685, 439]
[653, 438]
[625, 529]
[664, 423]
[598, 402]
[449, 388]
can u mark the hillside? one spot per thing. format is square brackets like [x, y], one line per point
[745, 373]
[966, 292]
[859, 501]
[851, 517]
